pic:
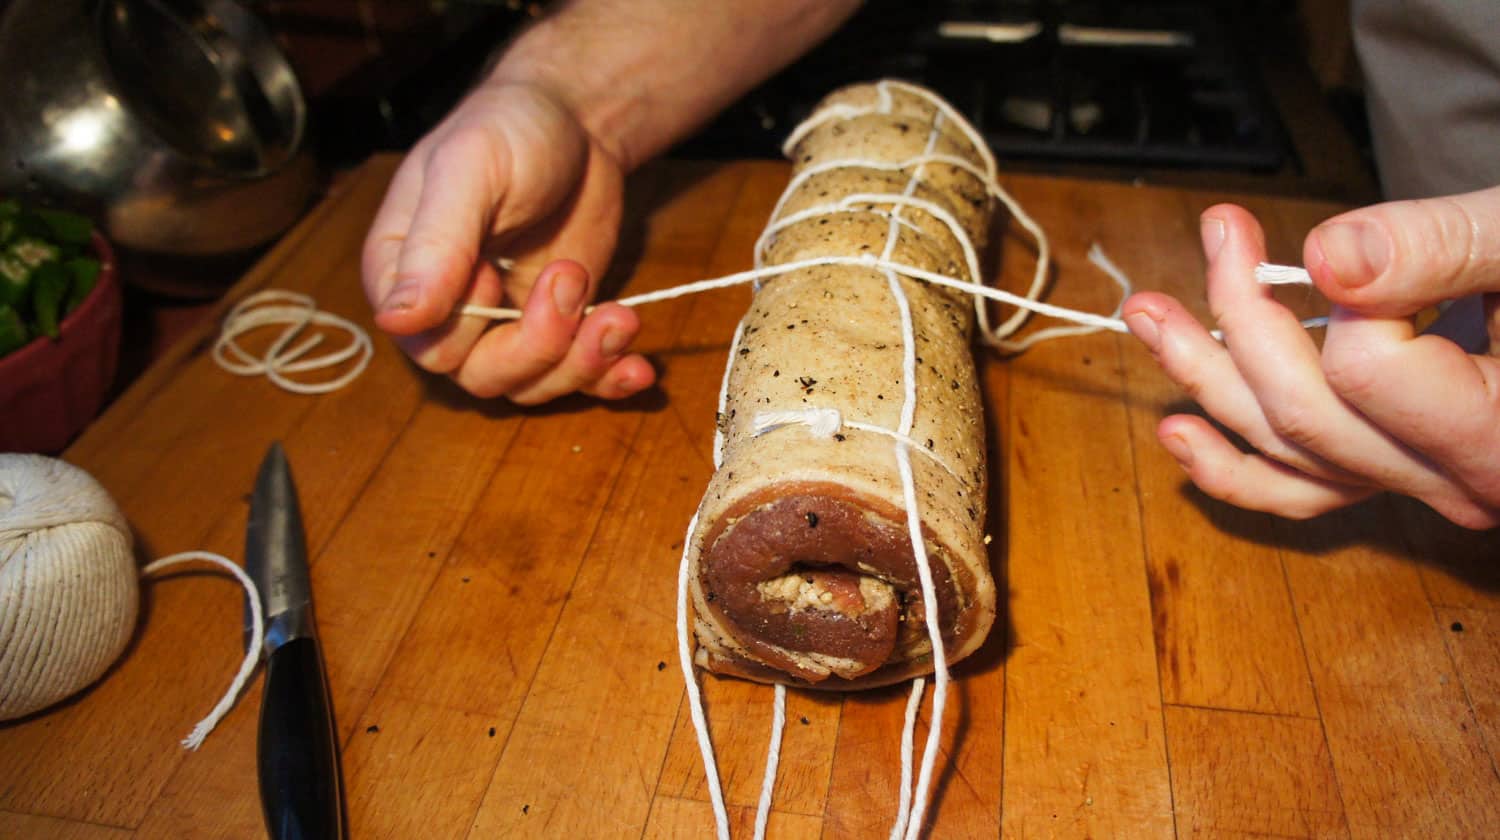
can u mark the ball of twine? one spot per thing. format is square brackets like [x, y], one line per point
[68, 582]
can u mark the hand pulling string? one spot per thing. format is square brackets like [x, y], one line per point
[1265, 273]
[252, 654]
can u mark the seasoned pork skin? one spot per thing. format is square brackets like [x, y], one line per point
[801, 568]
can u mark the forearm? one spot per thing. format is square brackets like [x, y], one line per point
[641, 74]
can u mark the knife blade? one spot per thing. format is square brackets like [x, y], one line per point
[297, 750]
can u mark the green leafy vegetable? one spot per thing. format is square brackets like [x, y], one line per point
[33, 251]
[85, 274]
[67, 228]
[46, 270]
[49, 285]
[13, 333]
[15, 281]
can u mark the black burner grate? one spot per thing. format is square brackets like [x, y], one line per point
[1159, 84]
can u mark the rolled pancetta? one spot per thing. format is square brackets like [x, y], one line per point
[801, 567]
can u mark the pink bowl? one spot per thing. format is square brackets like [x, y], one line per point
[50, 389]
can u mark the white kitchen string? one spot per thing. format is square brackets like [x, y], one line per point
[1277, 275]
[297, 312]
[908, 823]
[1093, 322]
[995, 338]
[71, 588]
[252, 653]
[1270, 274]
[825, 422]
[913, 518]
[773, 760]
[913, 804]
[695, 698]
[1100, 322]
[984, 176]
[908, 739]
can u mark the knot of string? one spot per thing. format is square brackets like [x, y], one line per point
[820, 422]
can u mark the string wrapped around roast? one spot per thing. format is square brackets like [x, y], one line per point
[801, 568]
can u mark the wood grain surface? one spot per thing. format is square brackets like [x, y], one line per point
[495, 590]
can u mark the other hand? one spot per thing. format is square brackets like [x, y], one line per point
[1380, 406]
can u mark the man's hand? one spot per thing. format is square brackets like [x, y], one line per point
[518, 171]
[530, 167]
[1380, 407]
[510, 173]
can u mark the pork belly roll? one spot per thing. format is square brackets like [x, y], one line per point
[801, 568]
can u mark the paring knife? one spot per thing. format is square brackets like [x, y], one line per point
[297, 751]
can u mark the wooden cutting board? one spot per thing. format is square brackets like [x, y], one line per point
[495, 591]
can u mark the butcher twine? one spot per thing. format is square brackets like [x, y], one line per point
[68, 588]
[824, 422]
[295, 312]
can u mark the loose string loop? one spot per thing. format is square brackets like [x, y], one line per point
[1096, 256]
[296, 312]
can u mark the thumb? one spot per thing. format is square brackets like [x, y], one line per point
[1394, 259]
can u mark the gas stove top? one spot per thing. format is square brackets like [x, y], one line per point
[1137, 83]
[1162, 84]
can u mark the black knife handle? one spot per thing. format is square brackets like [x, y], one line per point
[298, 755]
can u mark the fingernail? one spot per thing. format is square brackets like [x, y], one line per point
[1179, 448]
[1212, 231]
[404, 296]
[1142, 326]
[627, 385]
[567, 293]
[613, 341]
[1355, 252]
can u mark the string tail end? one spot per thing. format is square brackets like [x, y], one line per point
[1270, 274]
